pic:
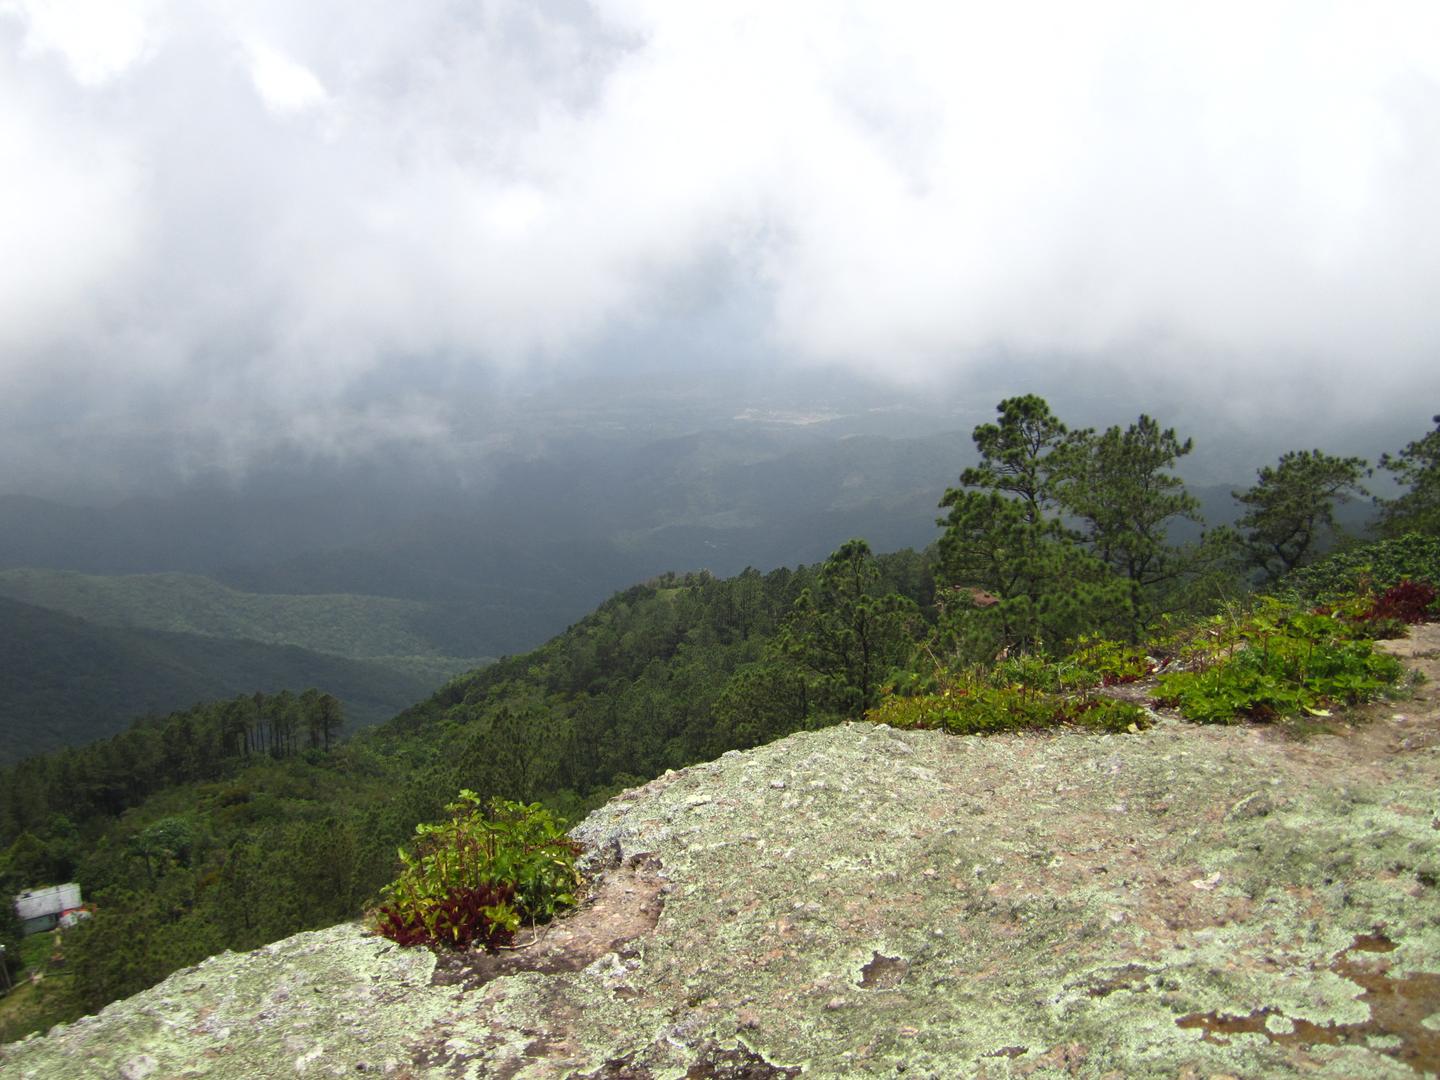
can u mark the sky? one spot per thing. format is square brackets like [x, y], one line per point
[226, 224]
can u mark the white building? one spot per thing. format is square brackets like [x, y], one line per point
[41, 909]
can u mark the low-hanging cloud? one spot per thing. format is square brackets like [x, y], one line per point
[232, 216]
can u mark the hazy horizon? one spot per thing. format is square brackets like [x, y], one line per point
[349, 231]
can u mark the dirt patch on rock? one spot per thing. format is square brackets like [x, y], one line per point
[624, 903]
[884, 972]
[713, 1063]
[1398, 1010]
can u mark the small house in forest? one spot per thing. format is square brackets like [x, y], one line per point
[43, 909]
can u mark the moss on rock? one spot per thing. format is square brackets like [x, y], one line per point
[857, 900]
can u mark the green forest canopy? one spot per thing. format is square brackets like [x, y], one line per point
[238, 822]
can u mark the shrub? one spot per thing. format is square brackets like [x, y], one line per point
[972, 706]
[1109, 714]
[1028, 671]
[1225, 636]
[1112, 663]
[1407, 602]
[1367, 568]
[1276, 668]
[473, 879]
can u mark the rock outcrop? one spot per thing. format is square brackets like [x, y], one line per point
[1188, 902]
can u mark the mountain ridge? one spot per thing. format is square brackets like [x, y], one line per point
[194, 604]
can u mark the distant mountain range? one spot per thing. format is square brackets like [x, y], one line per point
[353, 626]
[507, 563]
[378, 589]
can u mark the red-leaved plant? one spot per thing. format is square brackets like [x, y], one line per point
[462, 918]
[1407, 602]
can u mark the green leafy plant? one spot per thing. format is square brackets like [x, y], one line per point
[1112, 663]
[1276, 663]
[1239, 627]
[1108, 714]
[1030, 671]
[474, 878]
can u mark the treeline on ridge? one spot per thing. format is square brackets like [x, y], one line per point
[204, 742]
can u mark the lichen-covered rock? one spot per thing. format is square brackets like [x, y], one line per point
[1187, 902]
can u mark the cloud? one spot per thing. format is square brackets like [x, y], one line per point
[284, 85]
[243, 215]
[97, 40]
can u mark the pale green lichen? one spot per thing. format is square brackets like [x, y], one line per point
[1041, 904]
[316, 1004]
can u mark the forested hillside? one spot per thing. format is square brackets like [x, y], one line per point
[188, 844]
[419, 583]
[1055, 575]
[65, 682]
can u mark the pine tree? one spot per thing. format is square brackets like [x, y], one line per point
[1417, 468]
[1117, 484]
[846, 633]
[1291, 509]
[1005, 541]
